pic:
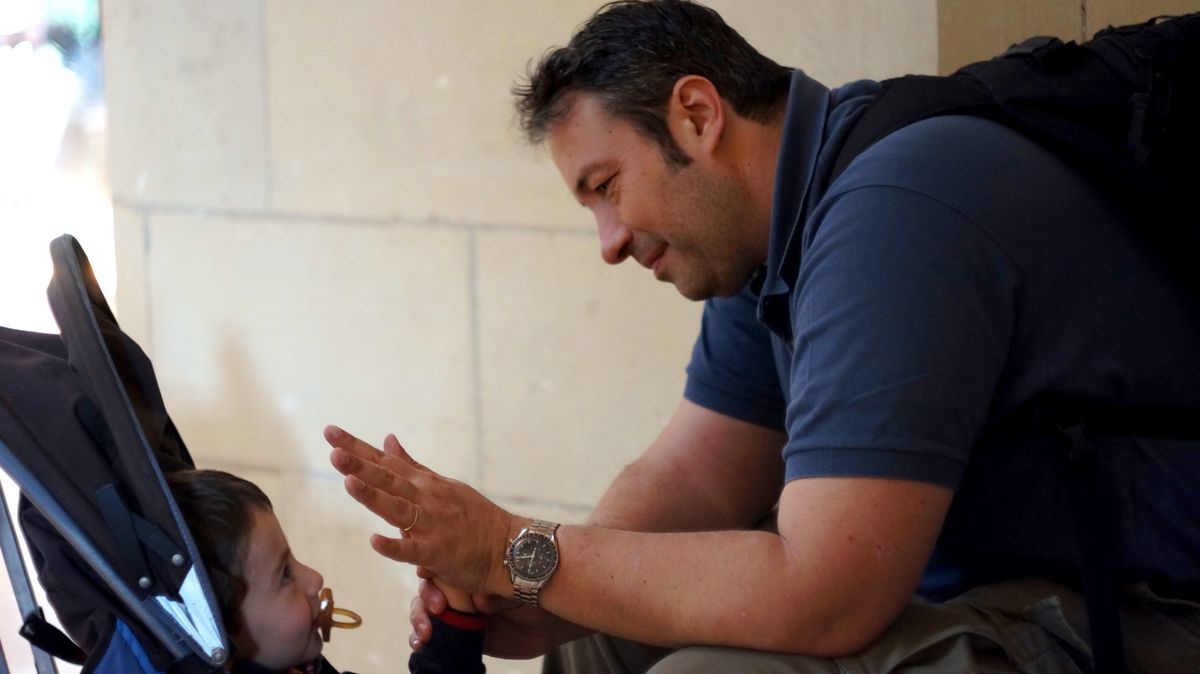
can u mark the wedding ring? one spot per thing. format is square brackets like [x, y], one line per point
[416, 516]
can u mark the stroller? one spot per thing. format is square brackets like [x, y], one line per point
[85, 435]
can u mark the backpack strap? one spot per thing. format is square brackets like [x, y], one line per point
[905, 100]
[1120, 107]
[1093, 517]
[1092, 511]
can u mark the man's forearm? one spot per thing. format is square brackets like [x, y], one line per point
[850, 554]
[704, 472]
[678, 589]
[638, 501]
[733, 588]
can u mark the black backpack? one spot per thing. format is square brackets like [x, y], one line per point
[1124, 108]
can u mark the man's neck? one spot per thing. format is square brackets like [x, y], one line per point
[754, 151]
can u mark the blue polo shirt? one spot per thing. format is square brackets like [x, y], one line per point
[910, 313]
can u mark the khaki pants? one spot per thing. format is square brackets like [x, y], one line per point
[1029, 626]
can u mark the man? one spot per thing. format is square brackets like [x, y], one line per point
[872, 355]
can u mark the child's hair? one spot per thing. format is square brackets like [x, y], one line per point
[218, 508]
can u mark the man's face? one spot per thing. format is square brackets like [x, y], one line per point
[279, 612]
[685, 223]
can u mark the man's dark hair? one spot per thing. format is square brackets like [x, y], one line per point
[631, 53]
[219, 510]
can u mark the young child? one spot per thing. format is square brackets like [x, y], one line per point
[268, 599]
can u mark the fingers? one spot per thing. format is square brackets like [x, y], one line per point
[372, 474]
[340, 439]
[392, 447]
[361, 453]
[429, 602]
[397, 549]
[381, 481]
[431, 598]
[446, 528]
[397, 511]
[422, 629]
[393, 477]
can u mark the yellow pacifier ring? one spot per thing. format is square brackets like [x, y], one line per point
[325, 619]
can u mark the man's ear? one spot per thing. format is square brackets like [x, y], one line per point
[696, 115]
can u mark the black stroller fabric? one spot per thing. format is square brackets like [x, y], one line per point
[88, 439]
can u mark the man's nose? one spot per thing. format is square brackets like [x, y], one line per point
[615, 237]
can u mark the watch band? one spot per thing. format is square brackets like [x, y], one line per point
[526, 595]
[526, 591]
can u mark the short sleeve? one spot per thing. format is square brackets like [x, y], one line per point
[903, 318]
[733, 368]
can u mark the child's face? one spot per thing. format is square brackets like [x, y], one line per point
[279, 612]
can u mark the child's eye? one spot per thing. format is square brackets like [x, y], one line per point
[287, 573]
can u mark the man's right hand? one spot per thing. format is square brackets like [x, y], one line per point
[727, 490]
[514, 631]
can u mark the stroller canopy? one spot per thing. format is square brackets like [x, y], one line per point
[85, 434]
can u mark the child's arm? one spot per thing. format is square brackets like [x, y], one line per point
[457, 642]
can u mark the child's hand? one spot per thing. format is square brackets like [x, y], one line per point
[459, 600]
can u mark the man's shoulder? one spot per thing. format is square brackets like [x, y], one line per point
[991, 174]
[944, 152]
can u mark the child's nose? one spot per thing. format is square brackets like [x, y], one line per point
[315, 580]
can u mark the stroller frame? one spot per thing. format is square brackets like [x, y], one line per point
[138, 545]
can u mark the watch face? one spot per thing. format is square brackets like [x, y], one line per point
[533, 556]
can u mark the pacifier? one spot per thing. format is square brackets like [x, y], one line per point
[325, 618]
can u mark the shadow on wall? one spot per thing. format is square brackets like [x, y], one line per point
[238, 425]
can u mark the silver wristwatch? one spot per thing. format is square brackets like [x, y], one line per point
[531, 559]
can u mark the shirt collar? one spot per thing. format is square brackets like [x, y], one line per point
[815, 127]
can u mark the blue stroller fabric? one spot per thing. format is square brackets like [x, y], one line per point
[124, 654]
[85, 435]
